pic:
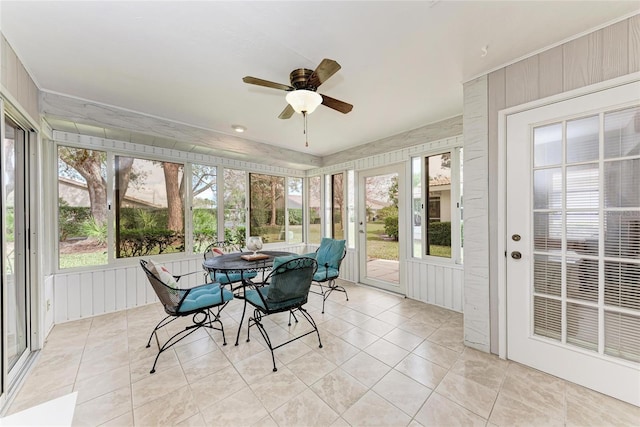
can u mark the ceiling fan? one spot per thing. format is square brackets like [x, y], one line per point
[303, 96]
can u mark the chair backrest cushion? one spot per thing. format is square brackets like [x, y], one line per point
[290, 279]
[162, 273]
[330, 252]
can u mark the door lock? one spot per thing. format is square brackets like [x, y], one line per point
[516, 255]
[516, 237]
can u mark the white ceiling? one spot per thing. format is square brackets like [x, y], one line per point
[403, 63]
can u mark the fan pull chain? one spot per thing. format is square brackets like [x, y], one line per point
[306, 139]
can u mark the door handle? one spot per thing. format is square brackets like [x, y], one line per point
[516, 255]
[361, 232]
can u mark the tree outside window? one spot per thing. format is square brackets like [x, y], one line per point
[266, 208]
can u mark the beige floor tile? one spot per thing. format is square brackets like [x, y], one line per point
[226, 413]
[402, 391]
[141, 368]
[157, 385]
[125, 420]
[216, 387]
[193, 421]
[205, 365]
[304, 410]
[340, 422]
[275, 390]
[366, 368]
[468, 393]
[339, 390]
[489, 371]
[418, 328]
[27, 400]
[386, 352]
[440, 411]
[376, 327]
[451, 337]
[392, 318]
[373, 410]
[421, 370]
[266, 422]
[337, 326]
[404, 339]
[437, 354]
[108, 362]
[101, 384]
[335, 349]
[191, 350]
[170, 409]
[292, 351]
[536, 389]
[589, 408]
[256, 367]
[103, 408]
[511, 412]
[359, 337]
[311, 367]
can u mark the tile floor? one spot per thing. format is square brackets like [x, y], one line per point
[386, 361]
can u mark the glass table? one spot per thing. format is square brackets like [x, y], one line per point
[237, 266]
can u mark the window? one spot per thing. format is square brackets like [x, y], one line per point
[315, 204]
[436, 202]
[351, 209]
[204, 206]
[294, 210]
[82, 207]
[266, 210]
[149, 207]
[234, 206]
[337, 206]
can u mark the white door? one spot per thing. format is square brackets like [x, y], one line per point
[381, 252]
[573, 240]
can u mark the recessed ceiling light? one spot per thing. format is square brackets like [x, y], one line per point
[238, 128]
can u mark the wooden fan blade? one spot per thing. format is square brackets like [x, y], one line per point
[287, 112]
[266, 83]
[326, 69]
[336, 104]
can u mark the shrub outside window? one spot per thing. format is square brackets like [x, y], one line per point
[149, 207]
[314, 234]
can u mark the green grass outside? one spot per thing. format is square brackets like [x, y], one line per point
[377, 247]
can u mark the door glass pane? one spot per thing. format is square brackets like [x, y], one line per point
[547, 189]
[622, 184]
[351, 209]
[547, 231]
[547, 145]
[622, 133]
[14, 280]
[583, 190]
[294, 210]
[583, 139]
[416, 204]
[337, 206]
[204, 206]
[234, 206]
[438, 208]
[315, 209]
[381, 228]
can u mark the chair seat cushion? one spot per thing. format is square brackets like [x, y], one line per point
[205, 296]
[325, 273]
[226, 278]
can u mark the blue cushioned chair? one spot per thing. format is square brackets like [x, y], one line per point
[198, 302]
[221, 248]
[329, 257]
[286, 288]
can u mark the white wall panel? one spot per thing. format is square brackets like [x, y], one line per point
[87, 294]
[437, 284]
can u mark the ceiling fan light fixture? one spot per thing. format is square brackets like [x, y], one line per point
[304, 100]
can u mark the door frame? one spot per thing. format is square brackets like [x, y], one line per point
[502, 187]
[401, 170]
